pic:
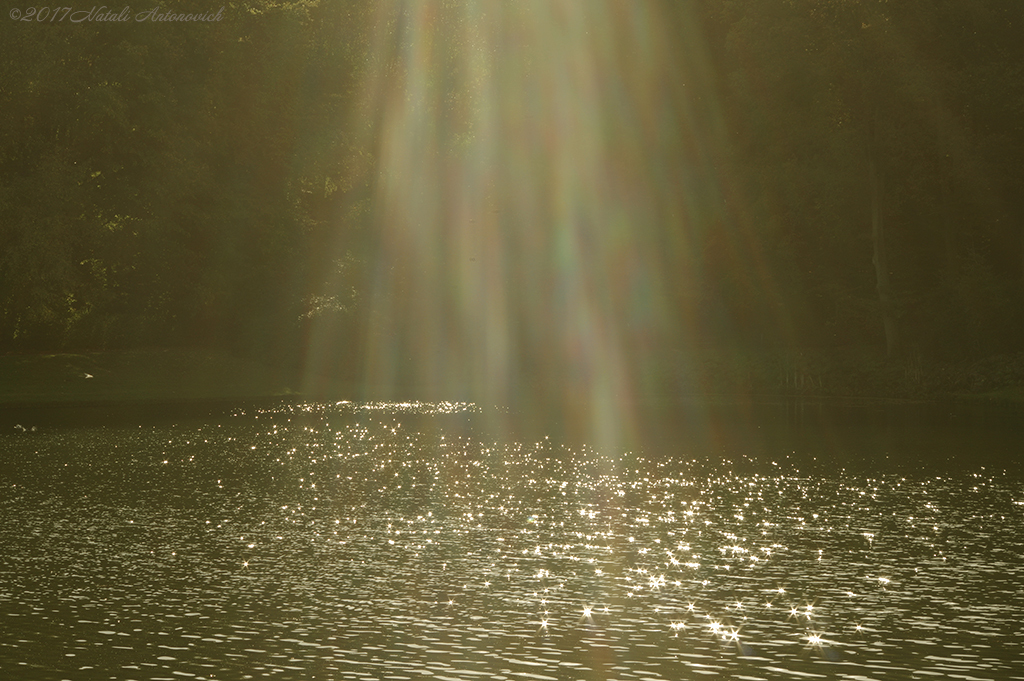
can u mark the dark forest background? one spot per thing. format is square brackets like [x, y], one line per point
[212, 185]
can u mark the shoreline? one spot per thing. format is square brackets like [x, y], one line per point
[180, 378]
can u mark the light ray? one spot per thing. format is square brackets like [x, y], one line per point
[544, 187]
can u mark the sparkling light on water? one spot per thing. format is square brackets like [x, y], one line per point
[329, 539]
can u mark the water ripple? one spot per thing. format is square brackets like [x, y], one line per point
[370, 544]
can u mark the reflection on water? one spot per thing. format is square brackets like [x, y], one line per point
[374, 541]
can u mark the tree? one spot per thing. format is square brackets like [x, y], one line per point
[859, 128]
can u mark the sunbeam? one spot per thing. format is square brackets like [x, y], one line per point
[544, 177]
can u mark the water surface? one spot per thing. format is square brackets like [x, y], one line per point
[406, 541]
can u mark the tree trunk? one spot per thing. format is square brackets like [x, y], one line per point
[880, 261]
[950, 260]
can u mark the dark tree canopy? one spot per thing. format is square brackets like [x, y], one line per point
[217, 184]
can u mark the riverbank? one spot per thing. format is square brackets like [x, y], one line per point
[136, 376]
[862, 373]
[166, 375]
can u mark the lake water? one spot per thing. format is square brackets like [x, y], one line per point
[407, 541]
